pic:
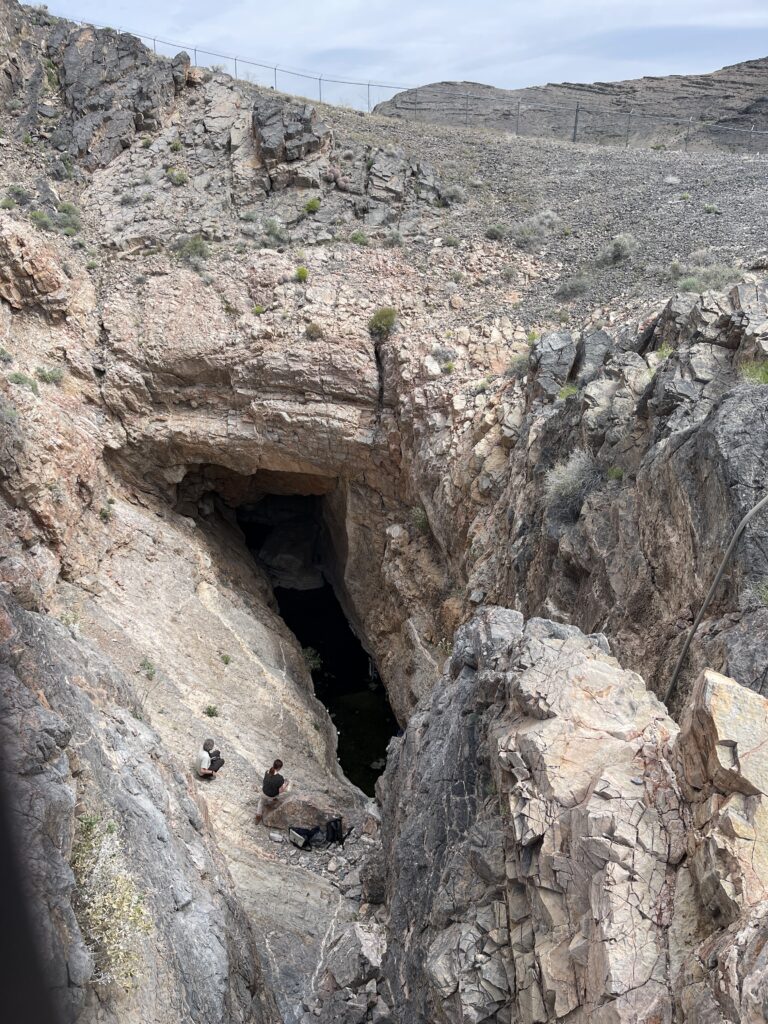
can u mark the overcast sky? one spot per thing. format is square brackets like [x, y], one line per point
[509, 43]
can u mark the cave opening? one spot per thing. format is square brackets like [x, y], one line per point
[287, 534]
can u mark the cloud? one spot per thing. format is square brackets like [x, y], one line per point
[509, 43]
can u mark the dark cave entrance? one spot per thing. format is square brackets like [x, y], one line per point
[287, 537]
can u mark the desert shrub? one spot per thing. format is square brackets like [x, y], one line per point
[451, 241]
[301, 275]
[568, 390]
[620, 248]
[105, 514]
[193, 249]
[148, 668]
[701, 273]
[5, 356]
[68, 218]
[711, 208]
[568, 483]
[517, 365]
[146, 143]
[495, 232]
[258, 310]
[176, 176]
[20, 194]
[573, 287]
[211, 711]
[531, 233]
[664, 351]
[314, 331]
[7, 203]
[91, 264]
[419, 519]
[393, 239]
[312, 205]
[275, 231]
[52, 375]
[762, 593]
[175, 146]
[109, 908]
[448, 367]
[226, 658]
[755, 373]
[452, 194]
[359, 238]
[312, 659]
[41, 220]
[23, 381]
[532, 336]
[382, 322]
[615, 473]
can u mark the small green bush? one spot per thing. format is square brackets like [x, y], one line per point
[359, 238]
[5, 356]
[532, 336]
[755, 373]
[175, 146]
[41, 220]
[711, 208]
[19, 194]
[314, 331]
[226, 658]
[275, 232]
[312, 659]
[448, 367]
[91, 264]
[615, 473]
[49, 376]
[573, 287]
[420, 520]
[192, 249]
[531, 233]
[301, 275]
[517, 365]
[568, 390]
[312, 205]
[146, 143]
[148, 668]
[7, 203]
[211, 711]
[495, 232]
[105, 514]
[620, 248]
[664, 351]
[762, 592]
[567, 485]
[382, 322]
[451, 241]
[176, 176]
[23, 381]
[258, 310]
[108, 905]
[393, 239]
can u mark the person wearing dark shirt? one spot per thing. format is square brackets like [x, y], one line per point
[272, 788]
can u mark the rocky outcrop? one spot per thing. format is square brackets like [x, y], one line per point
[557, 849]
[79, 757]
[731, 96]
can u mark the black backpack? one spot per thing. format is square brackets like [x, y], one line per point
[306, 838]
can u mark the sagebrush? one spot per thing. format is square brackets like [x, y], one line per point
[567, 485]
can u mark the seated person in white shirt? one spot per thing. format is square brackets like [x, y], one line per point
[208, 761]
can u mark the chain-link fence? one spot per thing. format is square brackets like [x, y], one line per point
[578, 123]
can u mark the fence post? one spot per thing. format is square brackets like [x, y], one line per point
[154, 45]
[517, 119]
[629, 121]
[195, 55]
[466, 110]
[576, 122]
[320, 87]
[235, 67]
[369, 97]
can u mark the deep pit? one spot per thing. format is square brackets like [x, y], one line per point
[286, 536]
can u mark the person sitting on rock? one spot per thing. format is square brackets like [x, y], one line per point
[272, 788]
[208, 761]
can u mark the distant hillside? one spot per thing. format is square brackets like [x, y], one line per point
[643, 111]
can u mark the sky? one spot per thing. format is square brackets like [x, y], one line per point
[508, 43]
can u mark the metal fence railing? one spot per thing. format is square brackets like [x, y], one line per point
[579, 123]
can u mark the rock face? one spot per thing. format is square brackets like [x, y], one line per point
[196, 285]
[77, 748]
[732, 97]
[557, 849]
